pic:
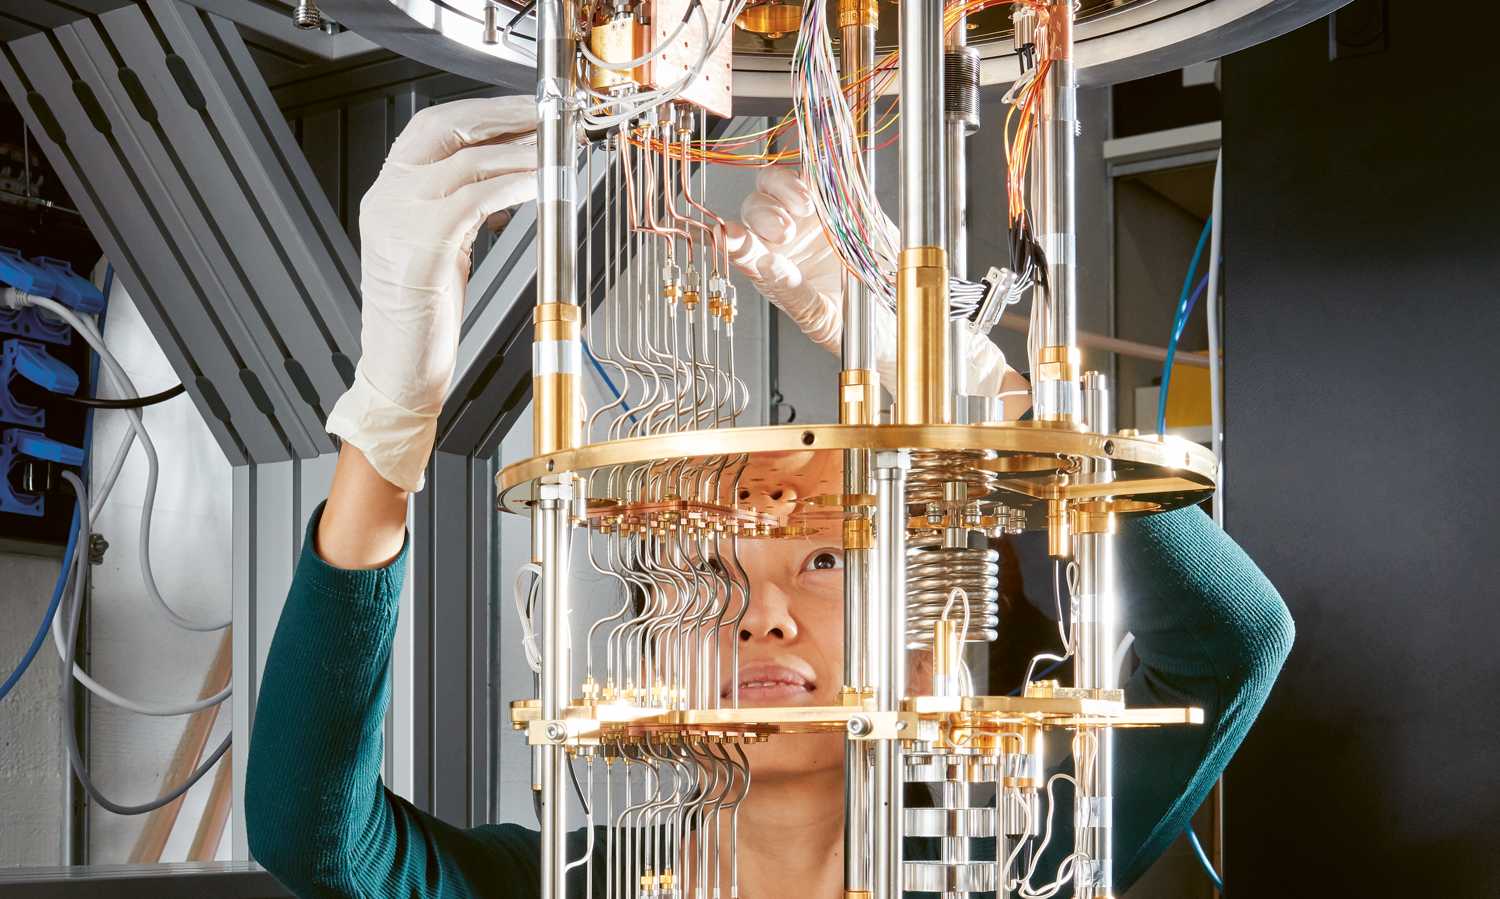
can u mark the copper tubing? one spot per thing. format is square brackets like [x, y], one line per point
[716, 233]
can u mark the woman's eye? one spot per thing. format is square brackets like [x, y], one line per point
[824, 560]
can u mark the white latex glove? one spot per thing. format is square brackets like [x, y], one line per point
[452, 167]
[782, 248]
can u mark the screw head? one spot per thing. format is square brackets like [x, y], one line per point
[555, 731]
[859, 725]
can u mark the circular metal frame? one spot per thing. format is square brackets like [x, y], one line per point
[1115, 41]
[1150, 474]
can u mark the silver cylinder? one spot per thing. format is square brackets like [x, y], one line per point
[1053, 207]
[1098, 634]
[1056, 229]
[889, 678]
[557, 154]
[553, 510]
[857, 55]
[960, 118]
[924, 210]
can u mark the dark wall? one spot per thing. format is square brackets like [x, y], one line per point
[1362, 240]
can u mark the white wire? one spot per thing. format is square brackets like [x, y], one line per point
[963, 637]
[634, 105]
[1122, 652]
[127, 390]
[1215, 369]
[528, 633]
[149, 709]
[660, 48]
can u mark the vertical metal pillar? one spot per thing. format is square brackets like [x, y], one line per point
[888, 651]
[553, 511]
[961, 118]
[923, 394]
[1098, 634]
[556, 364]
[859, 403]
[1055, 389]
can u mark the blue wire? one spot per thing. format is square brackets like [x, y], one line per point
[1179, 321]
[57, 592]
[607, 382]
[1208, 866]
[71, 548]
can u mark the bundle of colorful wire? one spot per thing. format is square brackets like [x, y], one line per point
[831, 164]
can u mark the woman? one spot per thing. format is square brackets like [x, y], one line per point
[1210, 630]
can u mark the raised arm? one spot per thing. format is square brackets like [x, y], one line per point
[1210, 631]
[317, 814]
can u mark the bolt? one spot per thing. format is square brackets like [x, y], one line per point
[555, 731]
[859, 725]
[97, 547]
[307, 16]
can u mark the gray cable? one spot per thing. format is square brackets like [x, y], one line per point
[70, 731]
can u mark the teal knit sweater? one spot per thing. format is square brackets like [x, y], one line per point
[1210, 631]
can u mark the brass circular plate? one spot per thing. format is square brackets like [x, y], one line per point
[1151, 473]
[772, 20]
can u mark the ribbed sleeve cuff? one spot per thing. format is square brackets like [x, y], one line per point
[363, 585]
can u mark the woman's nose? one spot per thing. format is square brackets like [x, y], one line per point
[769, 616]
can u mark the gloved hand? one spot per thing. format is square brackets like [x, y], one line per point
[452, 167]
[782, 248]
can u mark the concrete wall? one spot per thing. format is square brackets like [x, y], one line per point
[31, 767]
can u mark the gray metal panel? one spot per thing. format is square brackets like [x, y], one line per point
[163, 236]
[243, 641]
[190, 880]
[417, 29]
[72, 146]
[268, 525]
[189, 175]
[453, 533]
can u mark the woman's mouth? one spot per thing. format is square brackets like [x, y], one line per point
[771, 684]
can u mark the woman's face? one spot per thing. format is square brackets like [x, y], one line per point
[791, 640]
[791, 644]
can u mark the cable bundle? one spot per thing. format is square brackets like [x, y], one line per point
[832, 164]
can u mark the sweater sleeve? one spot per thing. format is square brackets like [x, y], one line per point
[317, 815]
[1210, 631]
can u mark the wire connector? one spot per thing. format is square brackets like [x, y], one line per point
[999, 291]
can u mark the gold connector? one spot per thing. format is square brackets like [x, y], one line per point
[555, 321]
[1058, 363]
[859, 396]
[1059, 530]
[859, 12]
[690, 299]
[555, 420]
[619, 40]
[1094, 518]
[848, 696]
[554, 380]
[946, 651]
[922, 395]
[858, 533]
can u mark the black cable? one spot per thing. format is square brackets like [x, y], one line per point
[139, 402]
[573, 775]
